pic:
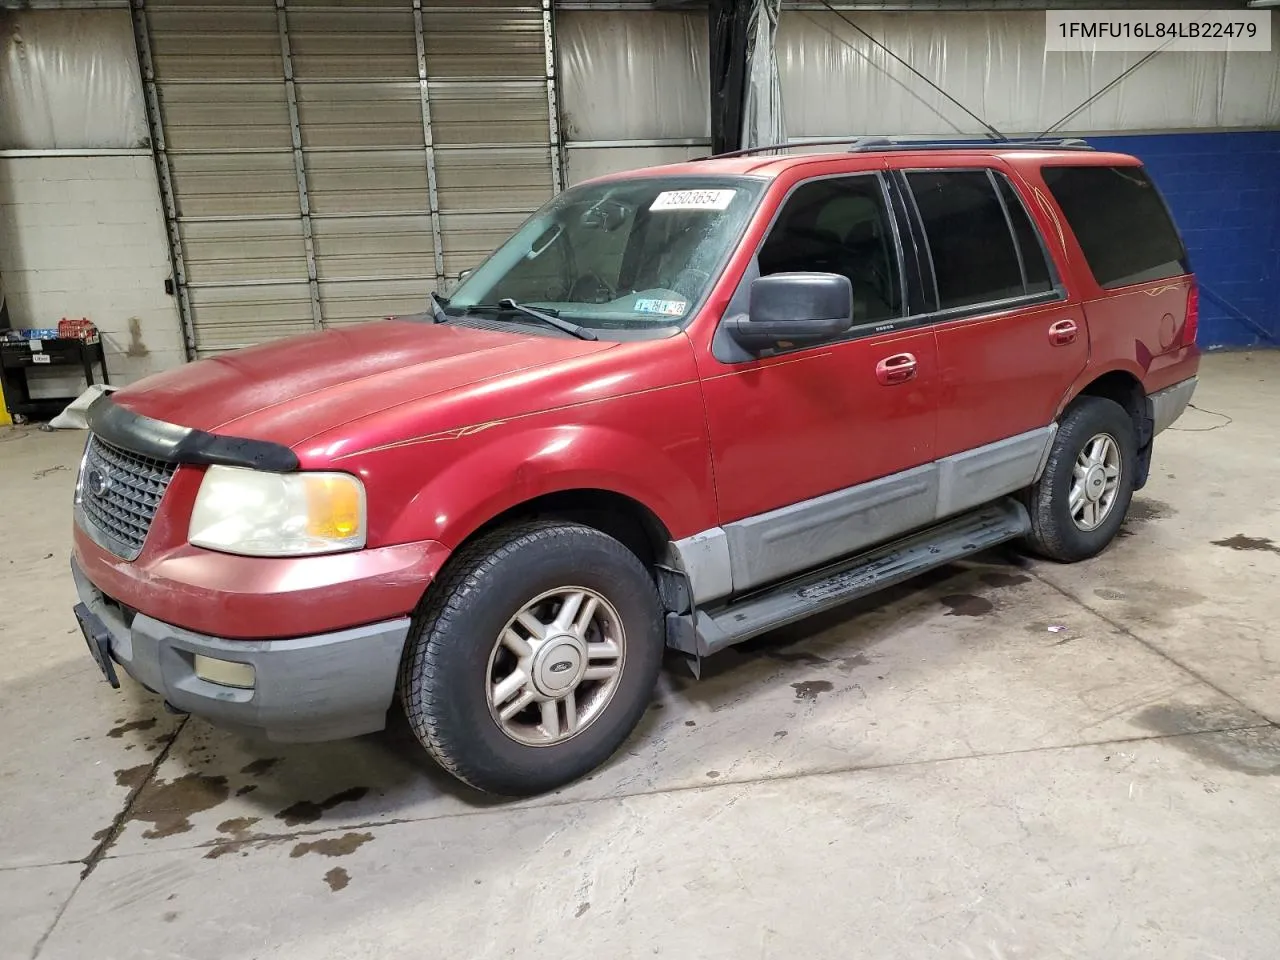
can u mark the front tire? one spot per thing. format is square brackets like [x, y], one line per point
[1083, 495]
[534, 657]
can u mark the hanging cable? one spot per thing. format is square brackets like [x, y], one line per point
[992, 132]
[1095, 96]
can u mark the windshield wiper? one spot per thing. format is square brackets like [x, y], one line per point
[568, 326]
[438, 303]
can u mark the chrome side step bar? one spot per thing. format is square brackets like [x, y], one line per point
[704, 632]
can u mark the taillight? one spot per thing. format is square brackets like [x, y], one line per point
[1192, 323]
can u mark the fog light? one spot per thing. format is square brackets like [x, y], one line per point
[225, 672]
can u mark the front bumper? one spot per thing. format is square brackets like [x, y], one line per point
[257, 598]
[322, 687]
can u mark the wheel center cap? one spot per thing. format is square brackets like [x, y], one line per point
[1095, 482]
[558, 665]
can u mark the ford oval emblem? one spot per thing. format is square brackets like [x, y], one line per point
[560, 667]
[97, 482]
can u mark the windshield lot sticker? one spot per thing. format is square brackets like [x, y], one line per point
[668, 308]
[692, 200]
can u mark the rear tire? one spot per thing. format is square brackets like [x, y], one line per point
[534, 657]
[1081, 499]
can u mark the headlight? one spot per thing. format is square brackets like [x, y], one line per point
[278, 514]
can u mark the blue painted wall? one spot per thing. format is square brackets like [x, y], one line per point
[1224, 190]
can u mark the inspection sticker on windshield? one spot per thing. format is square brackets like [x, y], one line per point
[668, 308]
[692, 200]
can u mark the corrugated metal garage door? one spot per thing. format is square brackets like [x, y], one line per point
[329, 164]
[633, 89]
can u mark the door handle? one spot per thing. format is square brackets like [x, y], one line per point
[899, 368]
[1063, 332]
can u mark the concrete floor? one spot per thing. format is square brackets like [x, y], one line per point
[1006, 760]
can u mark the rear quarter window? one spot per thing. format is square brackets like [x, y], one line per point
[1121, 222]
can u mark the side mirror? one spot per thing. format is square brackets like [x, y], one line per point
[793, 309]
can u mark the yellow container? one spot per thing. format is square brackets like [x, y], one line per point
[4, 412]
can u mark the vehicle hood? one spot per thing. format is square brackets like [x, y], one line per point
[292, 389]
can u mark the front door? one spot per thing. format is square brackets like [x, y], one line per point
[813, 448]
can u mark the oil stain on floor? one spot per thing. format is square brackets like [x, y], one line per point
[331, 846]
[966, 605]
[845, 664]
[1241, 542]
[238, 837]
[798, 656]
[256, 768]
[337, 879]
[119, 731]
[238, 827]
[241, 841]
[1236, 740]
[169, 805]
[809, 689]
[1144, 510]
[308, 811]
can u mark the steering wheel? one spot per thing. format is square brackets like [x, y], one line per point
[689, 280]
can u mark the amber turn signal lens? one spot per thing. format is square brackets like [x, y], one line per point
[335, 506]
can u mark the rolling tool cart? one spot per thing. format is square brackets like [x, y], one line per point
[75, 343]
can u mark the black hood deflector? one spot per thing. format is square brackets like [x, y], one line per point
[170, 442]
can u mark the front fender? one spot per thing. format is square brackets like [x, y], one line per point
[650, 447]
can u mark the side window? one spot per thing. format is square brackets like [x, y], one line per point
[1034, 260]
[1122, 224]
[840, 225]
[974, 256]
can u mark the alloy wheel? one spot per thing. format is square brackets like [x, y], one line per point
[555, 666]
[1095, 481]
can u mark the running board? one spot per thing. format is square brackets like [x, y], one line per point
[705, 632]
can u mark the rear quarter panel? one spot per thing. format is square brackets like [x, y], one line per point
[1136, 329]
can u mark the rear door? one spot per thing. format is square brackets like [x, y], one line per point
[1010, 341]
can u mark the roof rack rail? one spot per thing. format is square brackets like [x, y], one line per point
[873, 144]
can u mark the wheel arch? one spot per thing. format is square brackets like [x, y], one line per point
[626, 519]
[1123, 387]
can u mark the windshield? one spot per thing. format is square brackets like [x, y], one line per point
[623, 253]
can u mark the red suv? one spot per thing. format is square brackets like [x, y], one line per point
[678, 408]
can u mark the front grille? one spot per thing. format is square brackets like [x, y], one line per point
[119, 493]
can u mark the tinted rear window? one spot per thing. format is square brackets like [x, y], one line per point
[974, 257]
[1123, 227]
